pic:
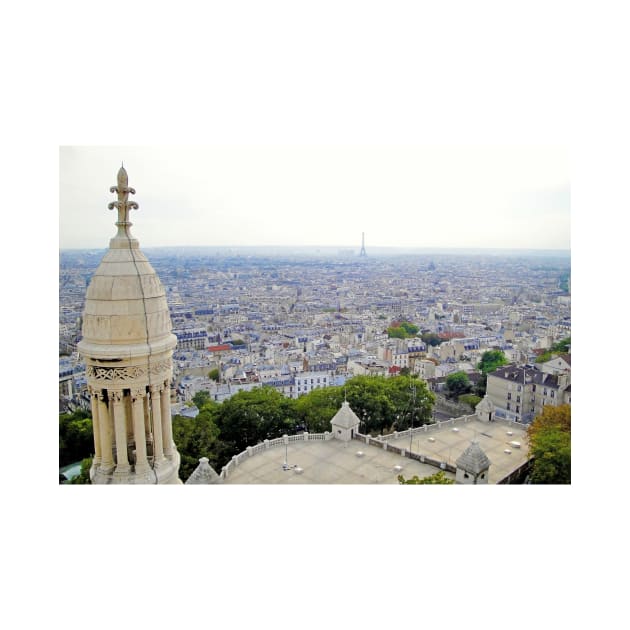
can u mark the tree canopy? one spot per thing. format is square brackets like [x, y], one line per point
[250, 417]
[383, 403]
[402, 330]
[437, 478]
[197, 437]
[316, 409]
[491, 360]
[457, 384]
[561, 346]
[550, 446]
[431, 339]
[202, 398]
[76, 441]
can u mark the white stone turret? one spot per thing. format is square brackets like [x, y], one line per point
[345, 423]
[485, 409]
[128, 345]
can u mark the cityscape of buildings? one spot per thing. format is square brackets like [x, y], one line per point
[297, 323]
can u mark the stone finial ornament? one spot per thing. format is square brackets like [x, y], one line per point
[123, 205]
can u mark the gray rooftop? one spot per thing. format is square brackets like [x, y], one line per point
[328, 462]
[444, 443]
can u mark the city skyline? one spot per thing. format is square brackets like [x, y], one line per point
[484, 197]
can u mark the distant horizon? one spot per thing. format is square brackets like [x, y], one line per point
[345, 250]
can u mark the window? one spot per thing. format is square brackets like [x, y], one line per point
[553, 394]
[508, 406]
[518, 399]
[509, 396]
[517, 409]
[533, 388]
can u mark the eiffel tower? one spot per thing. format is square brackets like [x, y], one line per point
[362, 252]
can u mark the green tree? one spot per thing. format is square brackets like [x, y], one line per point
[250, 417]
[202, 398]
[550, 446]
[195, 438]
[410, 329]
[491, 360]
[384, 403]
[469, 399]
[76, 441]
[431, 339]
[316, 409]
[437, 478]
[83, 477]
[402, 330]
[214, 374]
[552, 457]
[563, 345]
[457, 384]
[396, 332]
[559, 347]
[408, 409]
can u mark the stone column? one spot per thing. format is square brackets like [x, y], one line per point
[147, 417]
[137, 413]
[96, 429]
[156, 410]
[120, 431]
[167, 429]
[105, 427]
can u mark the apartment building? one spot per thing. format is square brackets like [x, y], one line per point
[191, 338]
[308, 381]
[522, 392]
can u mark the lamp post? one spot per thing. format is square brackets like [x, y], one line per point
[285, 466]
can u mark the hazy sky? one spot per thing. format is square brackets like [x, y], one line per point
[408, 196]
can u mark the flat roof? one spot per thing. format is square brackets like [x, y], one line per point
[328, 462]
[444, 444]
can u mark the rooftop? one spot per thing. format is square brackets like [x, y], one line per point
[328, 462]
[445, 444]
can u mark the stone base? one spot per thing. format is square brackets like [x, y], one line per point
[167, 473]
